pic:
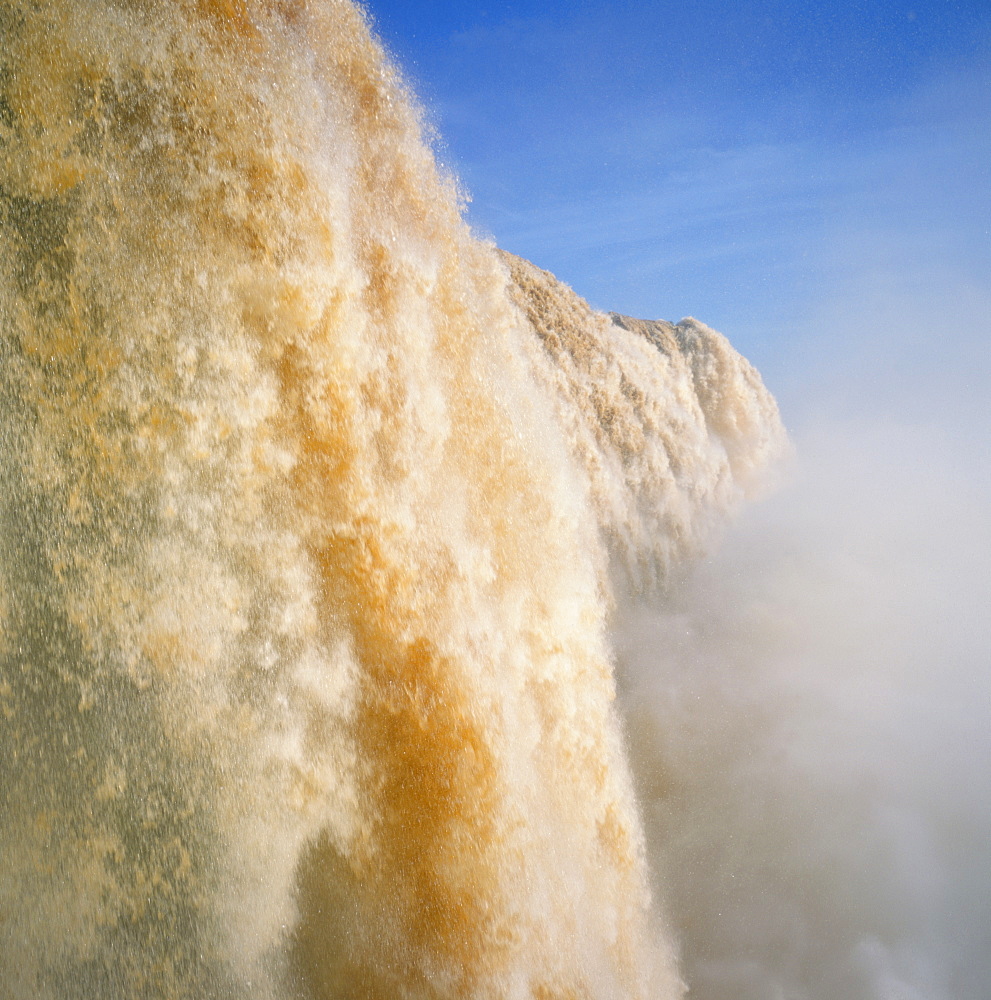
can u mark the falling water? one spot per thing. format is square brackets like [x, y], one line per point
[312, 509]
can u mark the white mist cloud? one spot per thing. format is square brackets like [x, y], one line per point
[809, 715]
[810, 710]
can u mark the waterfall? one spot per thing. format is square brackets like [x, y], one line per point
[313, 507]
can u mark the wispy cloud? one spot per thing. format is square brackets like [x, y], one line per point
[763, 239]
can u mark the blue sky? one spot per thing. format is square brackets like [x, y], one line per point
[768, 167]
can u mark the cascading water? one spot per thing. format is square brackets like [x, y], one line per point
[309, 502]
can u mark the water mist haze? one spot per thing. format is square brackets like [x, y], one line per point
[379, 620]
[808, 715]
[809, 706]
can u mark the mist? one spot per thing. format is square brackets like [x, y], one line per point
[808, 707]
